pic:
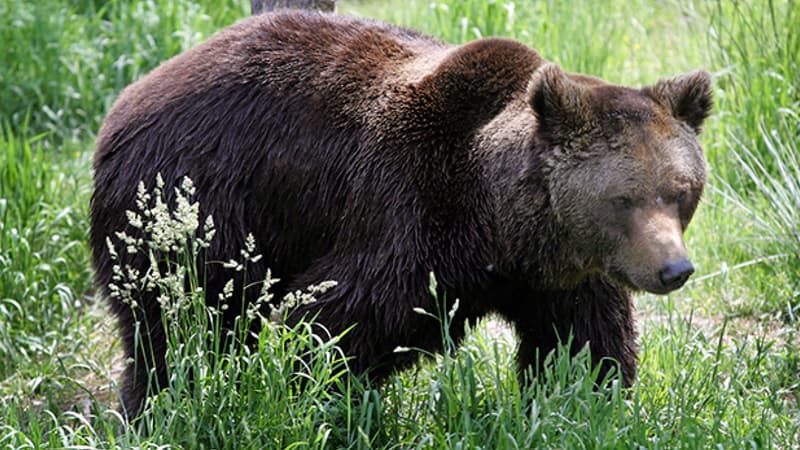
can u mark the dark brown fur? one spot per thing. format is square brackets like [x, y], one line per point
[372, 155]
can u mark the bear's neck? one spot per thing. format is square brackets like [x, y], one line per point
[533, 246]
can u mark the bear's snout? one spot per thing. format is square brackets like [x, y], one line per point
[675, 273]
[654, 258]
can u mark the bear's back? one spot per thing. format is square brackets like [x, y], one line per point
[278, 103]
[338, 59]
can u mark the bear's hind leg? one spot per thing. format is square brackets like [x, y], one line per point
[145, 371]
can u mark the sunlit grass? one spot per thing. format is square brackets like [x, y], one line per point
[44, 265]
[64, 62]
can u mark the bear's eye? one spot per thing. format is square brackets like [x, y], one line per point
[623, 202]
[682, 196]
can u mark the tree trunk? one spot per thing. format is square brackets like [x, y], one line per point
[262, 6]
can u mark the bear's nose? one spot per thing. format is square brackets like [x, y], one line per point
[675, 273]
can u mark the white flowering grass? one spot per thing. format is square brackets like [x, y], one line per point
[214, 367]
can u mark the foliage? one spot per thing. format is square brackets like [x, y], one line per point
[44, 265]
[64, 61]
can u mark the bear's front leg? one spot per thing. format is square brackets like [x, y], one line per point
[598, 313]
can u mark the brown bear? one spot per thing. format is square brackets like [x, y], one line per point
[373, 155]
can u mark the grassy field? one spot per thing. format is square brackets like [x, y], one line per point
[720, 359]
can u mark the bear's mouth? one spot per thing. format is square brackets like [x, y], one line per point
[653, 288]
[625, 280]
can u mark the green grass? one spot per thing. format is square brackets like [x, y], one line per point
[758, 55]
[631, 49]
[64, 61]
[719, 364]
[44, 265]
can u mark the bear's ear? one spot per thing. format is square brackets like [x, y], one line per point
[473, 83]
[687, 96]
[561, 105]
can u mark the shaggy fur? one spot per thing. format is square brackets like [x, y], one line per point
[373, 155]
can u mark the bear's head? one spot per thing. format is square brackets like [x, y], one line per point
[623, 172]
